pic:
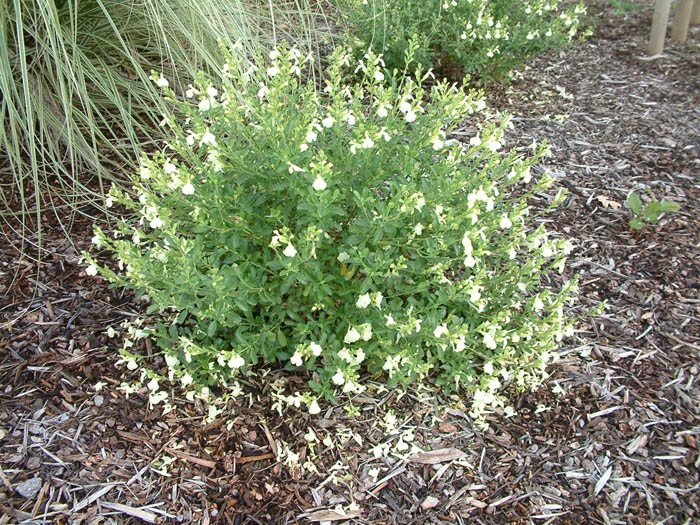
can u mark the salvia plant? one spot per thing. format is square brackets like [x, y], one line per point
[483, 38]
[339, 231]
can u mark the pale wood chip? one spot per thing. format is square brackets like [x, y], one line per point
[148, 517]
[436, 456]
[332, 515]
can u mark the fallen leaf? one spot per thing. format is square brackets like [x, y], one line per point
[448, 427]
[436, 456]
[608, 203]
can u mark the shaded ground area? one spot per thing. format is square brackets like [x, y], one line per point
[611, 439]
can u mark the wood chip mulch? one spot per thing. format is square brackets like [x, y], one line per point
[612, 438]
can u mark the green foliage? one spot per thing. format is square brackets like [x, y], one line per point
[650, 212]
[482, 38]
[337, 232]
[76, 104]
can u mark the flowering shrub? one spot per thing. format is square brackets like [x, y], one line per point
[339, 231]
[484, 38]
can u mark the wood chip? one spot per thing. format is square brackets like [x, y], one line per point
[148, 517]
[333, 515]
[436, 456]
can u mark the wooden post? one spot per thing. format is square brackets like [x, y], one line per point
[681, 21]
[695, 17]
[658, 26]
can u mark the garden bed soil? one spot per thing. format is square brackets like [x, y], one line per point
[611, 438]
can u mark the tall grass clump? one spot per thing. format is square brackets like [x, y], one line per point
[77, 105]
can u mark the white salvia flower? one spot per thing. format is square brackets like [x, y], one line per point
[493, 145]
[303, 147]
[314, 408]
[438, 144]
[162, 82]
[263, 91]
[156, 223]
[186, 380]
[352, 336]
[488, 367]
[236, 362]
[440, 331]
[475, 294]
[467, 244]
[190, 140]
[366, 331]
[351, 119]
[538, 304]
[367, 143]
[311, 136]
[410, 116]
[274, 54]
[294, 168]
[328, 122]
[390, 320]
[145, 172]
[489, 341]
[547, 251]
[344, 354]
[469, 261]
[190, 92]
[475, 141]
[212, 92]
[169, 168]
[275, 241]
[339, 377]
[405, 106]
[152, 385]
[319, 184]
[315, 349]
[382, 112]
[527, 176]
[204, 105]
[272, 71]
[109, 202]
[296, 359]
[418, 229]
[377, 300]
[96, 240]
[208, 138]
[460, 343]
[378, 76]
[188, 189]
[290, 250]
[384, 135]
[505, 222]
[512, 254]
[91, 270]
[363, 301]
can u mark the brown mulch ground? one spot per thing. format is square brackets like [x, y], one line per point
[615, 442]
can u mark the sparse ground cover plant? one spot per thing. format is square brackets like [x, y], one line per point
[649, 212]
[338, 232]
[482, 38]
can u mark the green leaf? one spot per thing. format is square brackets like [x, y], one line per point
[669, 206]
[634, 202]
[652, 212]
[636, 224]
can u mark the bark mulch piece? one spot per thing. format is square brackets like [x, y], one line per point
[612, 438]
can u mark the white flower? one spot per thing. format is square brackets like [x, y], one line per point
[211, 91]
[339, 377]
[366, 331]
[153, 385]
[505, 222]
[405, 107]
[493, 145]
[190, 140]
[488, 368]
[145, 172]
[315, 349]
[303, 147]
[190, 92]
[186, 379]
[162, 82]
[547, 251]
[363, 301]
[156, 223]
[319, 184]
[538, 304]
[475, 294]
[272, 71]
[294, 168]
[208, 138]
[475, 141]
[390, 320]
[469, 261]
[109, 202]
[91, 270]
[438, 144]
[274, 54]
[489, 341]
[377, 299]
[410, 116]
[314, 408]
[418, 229]
[467, 244]
[328, 122]
[440, 330]
[169, 168]
[236, 361]
[352, 336]
[188, 189]
[367, 143]
[527, 176]
[460, 343]
[382, 112]
[296, 359]
[204, 105]
[96, 240]
[378, 76]
[263, 91]
[311, 136]
[350, 119]
[290, 250]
